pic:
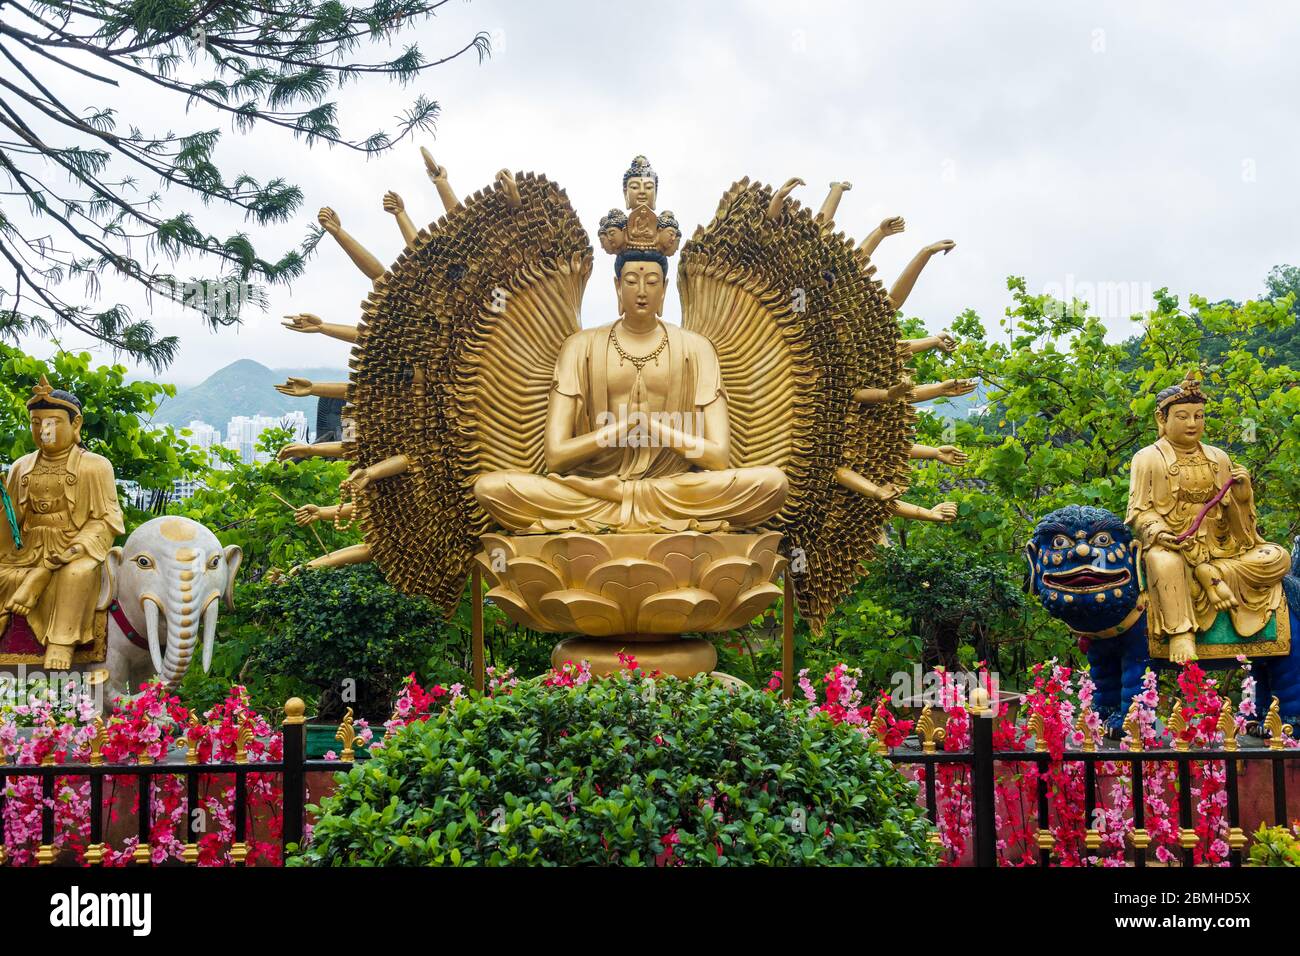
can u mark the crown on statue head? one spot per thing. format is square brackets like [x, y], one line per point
[1189, 387]
[639, 229]
[640, 168]
[45, 395]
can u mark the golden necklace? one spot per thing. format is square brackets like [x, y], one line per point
[638, 361]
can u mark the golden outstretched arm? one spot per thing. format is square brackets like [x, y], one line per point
[324, 449]
[948, 454]
[888, 227]
[902, 287]
[438, 176]
[305, 388]
[394, 206]
[363, 258]
[310, 324]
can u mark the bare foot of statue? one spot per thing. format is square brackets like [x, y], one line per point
[58, 657]
[1182, 648]
[1216, 588]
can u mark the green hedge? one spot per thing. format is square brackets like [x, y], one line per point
[598, 774]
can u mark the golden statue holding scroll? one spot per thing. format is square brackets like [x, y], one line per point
[1193, 511]
[636, 480]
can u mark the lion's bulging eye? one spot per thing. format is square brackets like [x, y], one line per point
[1061, 541]
[1103, 540]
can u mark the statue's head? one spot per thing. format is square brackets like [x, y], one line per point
[641, 279]
[55, 418]
[1083, 567]
[1180, 411]
[640, 183]
[613, 231]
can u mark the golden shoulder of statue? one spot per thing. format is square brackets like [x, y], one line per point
[480, 404]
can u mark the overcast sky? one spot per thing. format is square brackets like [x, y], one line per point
[1130, 145]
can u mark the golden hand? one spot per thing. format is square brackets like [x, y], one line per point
[306, 515]
[359, 479]
[952, 455]
[293, 450]
[901, 389]
[295, 387]
[946, 343]
[304, 322]
[945, 512]
[959, 386]
[71, 554]
[393, 203]
[435, 172]
[1241, 476]
[944, 245]
[892, 226]
[329, 220]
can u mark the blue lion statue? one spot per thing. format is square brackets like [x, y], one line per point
[1083, 566]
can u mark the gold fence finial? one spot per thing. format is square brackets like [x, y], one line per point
[1038, 728]
[347, 734]
[1227, 726]
[1177, 724]
[929, 730]
[294, 711]
[244, 736]
[1277, 731]
[97, 742]
[1133, 727]
[1089, 743]
[191, 742]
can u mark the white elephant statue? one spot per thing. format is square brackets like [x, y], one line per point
[167, 579]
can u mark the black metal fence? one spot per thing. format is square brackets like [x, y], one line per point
[981, 761]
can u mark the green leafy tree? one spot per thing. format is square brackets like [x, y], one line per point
[107, 192]
[253, 506]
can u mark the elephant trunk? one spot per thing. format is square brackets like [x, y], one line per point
[181, 640]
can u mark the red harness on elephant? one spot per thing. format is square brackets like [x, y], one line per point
[132, 635]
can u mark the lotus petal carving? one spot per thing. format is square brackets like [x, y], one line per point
[627, 585]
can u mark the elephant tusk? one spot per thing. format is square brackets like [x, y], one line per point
[209, 632]
[151, 609]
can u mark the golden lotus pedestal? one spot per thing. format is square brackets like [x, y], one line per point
[637, 594]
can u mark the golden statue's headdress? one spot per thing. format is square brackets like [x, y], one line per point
[641, 168]
[1188, 389]
[45, 395]
[641, 229]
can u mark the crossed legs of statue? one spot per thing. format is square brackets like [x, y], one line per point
[1184, 599]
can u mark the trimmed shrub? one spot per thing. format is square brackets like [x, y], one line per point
[622, 771]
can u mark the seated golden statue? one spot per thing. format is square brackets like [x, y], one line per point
[637, 431]
[65, 501]
[1194, 512]
[619, 460]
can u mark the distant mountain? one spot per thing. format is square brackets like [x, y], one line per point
[244, 387]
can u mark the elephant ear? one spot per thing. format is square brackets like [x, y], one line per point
[234, 558]
[108, 578]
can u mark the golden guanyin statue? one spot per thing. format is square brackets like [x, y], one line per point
[65, 503]
[1193, 511]
[634, 480]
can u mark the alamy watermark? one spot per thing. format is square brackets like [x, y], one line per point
[944, 689]
[633, 428]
